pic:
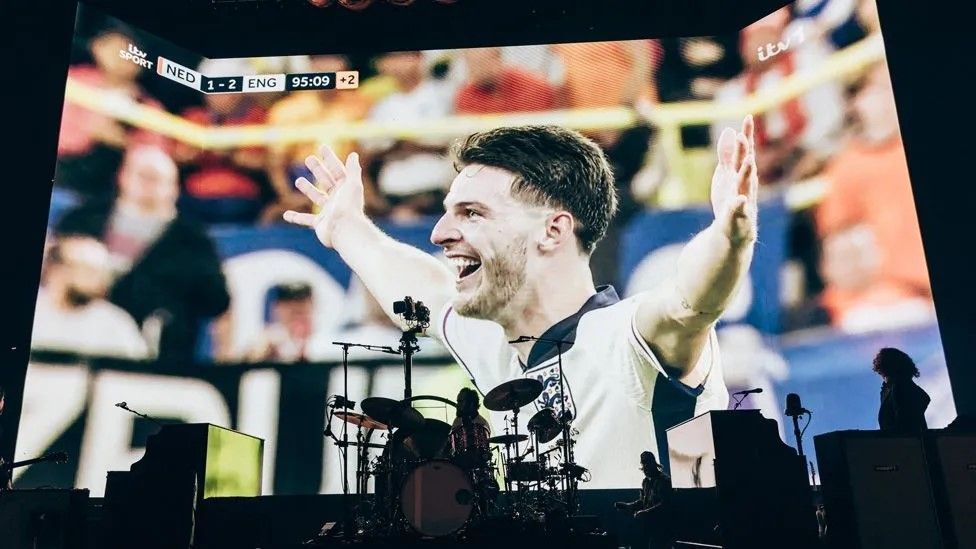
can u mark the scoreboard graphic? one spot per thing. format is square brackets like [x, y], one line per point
[256, 83]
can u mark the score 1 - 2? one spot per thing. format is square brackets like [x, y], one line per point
[223, 84]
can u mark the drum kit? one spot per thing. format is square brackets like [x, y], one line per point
[433, 479]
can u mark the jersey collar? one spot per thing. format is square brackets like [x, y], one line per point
[565, 329]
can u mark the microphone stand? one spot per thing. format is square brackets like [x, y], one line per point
[125, 407]
[344, 444]
[798, 435]
[569, 483]
[738, 401]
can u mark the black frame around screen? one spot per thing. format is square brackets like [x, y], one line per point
[927, 59]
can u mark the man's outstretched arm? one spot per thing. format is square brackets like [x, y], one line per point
[389, 269]
[675, 321]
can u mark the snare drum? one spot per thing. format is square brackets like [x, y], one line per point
[437, 498]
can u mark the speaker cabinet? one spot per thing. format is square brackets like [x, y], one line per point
[952, 457]
[43, 519]
[876, 491]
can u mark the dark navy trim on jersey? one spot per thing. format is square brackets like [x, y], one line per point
[565, 329]
[670, 405]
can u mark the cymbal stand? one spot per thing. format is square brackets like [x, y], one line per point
[347, 519]
[344, 443]
[362, 462]
[538, 460]
[417, 318]
[508, 454]
[565, 420]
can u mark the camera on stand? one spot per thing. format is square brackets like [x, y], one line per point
[415, 313]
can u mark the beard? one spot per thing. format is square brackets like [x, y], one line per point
[502, 277]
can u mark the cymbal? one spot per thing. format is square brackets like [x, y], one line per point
[545, 425]
[508, 439]
[361, 420]
[513, 394]
[394, 413]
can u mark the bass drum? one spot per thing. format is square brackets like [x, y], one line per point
[437, 498]
[403, 452]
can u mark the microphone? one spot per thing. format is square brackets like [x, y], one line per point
[757, 390]
[122, 405]
[343, 402]
[525, 455]
[793, 406]
[328, 421]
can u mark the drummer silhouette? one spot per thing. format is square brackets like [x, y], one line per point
[469, 431]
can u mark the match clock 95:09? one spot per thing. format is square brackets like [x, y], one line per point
[323, 81]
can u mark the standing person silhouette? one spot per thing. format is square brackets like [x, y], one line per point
[903, 403]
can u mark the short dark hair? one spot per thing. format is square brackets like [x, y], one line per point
[893, 363]
[292, 291]
[553, 167]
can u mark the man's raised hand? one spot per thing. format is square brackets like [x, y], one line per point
[337, 193]
[735, 184]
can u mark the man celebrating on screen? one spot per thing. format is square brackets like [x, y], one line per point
[521, 219]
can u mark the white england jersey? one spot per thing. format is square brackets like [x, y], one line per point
[621, 397]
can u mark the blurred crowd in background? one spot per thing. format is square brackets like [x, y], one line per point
[131, 270]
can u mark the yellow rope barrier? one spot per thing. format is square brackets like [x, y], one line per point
[448, 127]
[671, 117]
[126, 110]
[840, 64]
